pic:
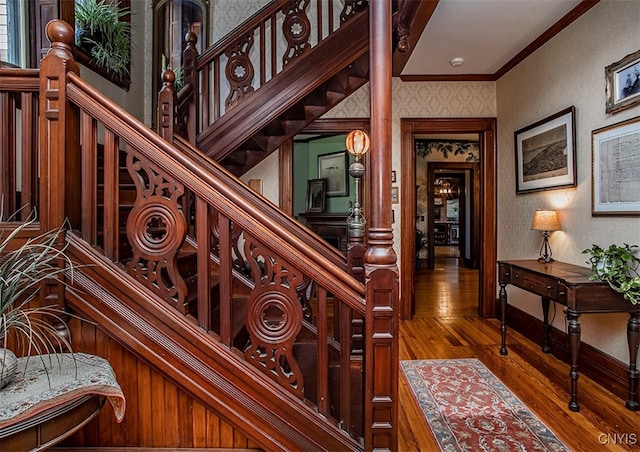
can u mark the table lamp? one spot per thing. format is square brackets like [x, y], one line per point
[545, 221]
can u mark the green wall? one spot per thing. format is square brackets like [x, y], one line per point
[305, 164]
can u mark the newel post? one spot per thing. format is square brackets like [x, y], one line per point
[60, 187]
[167, 106]
[380, 261]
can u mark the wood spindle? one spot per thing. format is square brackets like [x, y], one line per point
[111, 201]
[226, 280]
[29, 169]
[345, 363]
[323, 353]
[203, 237]
[274, 53]
[89, 201]
[263, 59]
[8, 153]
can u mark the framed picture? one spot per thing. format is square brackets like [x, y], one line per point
[316, 192]
[623, 83]
[437, 200]
[393, 177]
[395, 198]
[333, 168]
[546, 153]
[615, 169]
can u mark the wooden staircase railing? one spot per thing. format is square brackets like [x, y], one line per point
[193, 251]
[19, 141]
[267, 68]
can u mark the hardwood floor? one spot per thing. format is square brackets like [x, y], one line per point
[446, 325]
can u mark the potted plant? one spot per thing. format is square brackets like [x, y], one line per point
[29, 330]
[618, 266]
[103, 33]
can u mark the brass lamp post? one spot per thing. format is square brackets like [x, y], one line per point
[357, 143]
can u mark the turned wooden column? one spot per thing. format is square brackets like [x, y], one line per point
[381, 271]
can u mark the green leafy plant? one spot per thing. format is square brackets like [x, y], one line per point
[22, 271]
[618, 266]
[103, 32]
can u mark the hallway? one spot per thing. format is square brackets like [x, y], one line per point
[446, 325]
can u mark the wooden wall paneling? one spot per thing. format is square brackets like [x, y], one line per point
[171, 414]
[159, 413]
[185, 420]
[199, 425]
[144, 403]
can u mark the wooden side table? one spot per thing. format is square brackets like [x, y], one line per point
[570, 286]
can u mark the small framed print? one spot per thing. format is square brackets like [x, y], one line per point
[333, 168]
[395, 197]
[393, 177]
[546, 153]
[316, 193]
[623, 83]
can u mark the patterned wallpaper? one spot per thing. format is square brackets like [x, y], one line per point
[569, 70]
[422, 100]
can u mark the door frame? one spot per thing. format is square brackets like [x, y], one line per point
[486, 128]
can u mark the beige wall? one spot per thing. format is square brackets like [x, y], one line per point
[569, 70]
[422, 100]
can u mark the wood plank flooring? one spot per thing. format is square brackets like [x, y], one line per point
[446, 325]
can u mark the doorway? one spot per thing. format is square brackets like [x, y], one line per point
[486, 216]
[452, 214]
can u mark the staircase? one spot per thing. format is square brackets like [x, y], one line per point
[257, 116]
[181, 263]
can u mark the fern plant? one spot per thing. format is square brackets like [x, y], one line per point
[104, 33]
[619, 267]
[30, 329]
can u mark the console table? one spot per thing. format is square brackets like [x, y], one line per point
[569, 285]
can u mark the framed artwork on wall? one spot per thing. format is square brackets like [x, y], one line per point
[316, 193]
[623, 83]
[333, 168]
[615, 169]
[546, 153]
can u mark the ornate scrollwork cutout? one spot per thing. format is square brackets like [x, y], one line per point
[156, 229]
[239, 71]
[351, 7]
[274, 317]
[296, 29]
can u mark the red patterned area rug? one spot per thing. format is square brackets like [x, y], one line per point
[470, 409]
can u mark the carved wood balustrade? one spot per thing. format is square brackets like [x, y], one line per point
[19, 139]
[234, 265]
[208, 248]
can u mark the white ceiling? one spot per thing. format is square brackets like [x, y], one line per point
[485, 33]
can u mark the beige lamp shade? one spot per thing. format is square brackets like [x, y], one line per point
[546, 220]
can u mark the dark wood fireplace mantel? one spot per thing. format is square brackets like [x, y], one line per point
[331, 226]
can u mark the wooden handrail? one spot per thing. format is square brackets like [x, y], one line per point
[239, 32]
[202, 176]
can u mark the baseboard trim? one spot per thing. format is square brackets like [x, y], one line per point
[608, 372]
